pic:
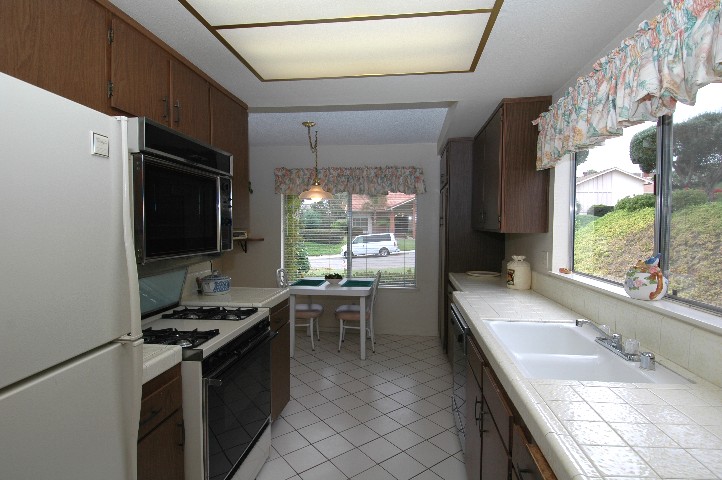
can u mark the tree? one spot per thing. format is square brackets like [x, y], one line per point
[697, 152]
[643, 149]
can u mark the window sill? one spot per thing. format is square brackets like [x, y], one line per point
[697, 317]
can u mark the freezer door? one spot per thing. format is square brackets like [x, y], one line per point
[66, 286]
[76, 421]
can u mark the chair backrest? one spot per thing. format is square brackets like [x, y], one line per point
[373, 290]
[281, 278]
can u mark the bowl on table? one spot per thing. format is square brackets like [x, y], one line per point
[334, 281]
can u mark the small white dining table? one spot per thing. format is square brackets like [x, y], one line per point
[317, 286]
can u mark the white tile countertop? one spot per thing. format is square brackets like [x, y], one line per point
[239, 297]
[598, 430]
[159, 358]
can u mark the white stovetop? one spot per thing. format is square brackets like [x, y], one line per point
[598, 430]
[159, 358]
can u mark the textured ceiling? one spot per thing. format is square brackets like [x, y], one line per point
[535, 47]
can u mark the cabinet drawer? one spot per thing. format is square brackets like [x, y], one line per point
[527, 460]
[498, 407]
[157, 406]
[279, 315]
[473, 356]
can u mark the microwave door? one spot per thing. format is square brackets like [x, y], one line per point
[178, 213]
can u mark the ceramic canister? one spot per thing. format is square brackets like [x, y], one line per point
[518, 273]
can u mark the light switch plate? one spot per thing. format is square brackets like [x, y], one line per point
[100, 145]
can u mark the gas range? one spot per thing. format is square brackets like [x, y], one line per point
[200, 331]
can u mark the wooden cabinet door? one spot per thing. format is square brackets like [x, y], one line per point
[140, 74]
[477, 182]
[160, 453]
[472, 429]
[57, 45]
[280, 370]
[524, 191]
[527, 460]
[229, 132]
[190, 104]
[490, 174]
[494, 457]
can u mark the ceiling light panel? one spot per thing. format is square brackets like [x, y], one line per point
[246, 12]
[291, 40]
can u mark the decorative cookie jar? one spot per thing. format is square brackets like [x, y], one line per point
[644, 280]
[518, 273]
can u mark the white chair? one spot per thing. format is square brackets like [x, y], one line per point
[309, 312]
[352, 313]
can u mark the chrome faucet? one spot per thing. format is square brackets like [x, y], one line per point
[581, 322]
[612, 342]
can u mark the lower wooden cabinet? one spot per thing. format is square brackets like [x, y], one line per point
[497, 443]
[472, 429]
[160, 453]
[527, 460]
[161, 431]
[280, 359]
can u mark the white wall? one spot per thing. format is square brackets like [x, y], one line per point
[398, 311]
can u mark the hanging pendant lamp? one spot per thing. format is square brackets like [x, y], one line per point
[315, 192]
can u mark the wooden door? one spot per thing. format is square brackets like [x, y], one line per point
[280, 369]
[229, 132]
[472, 429]
[190, 104]
[490, 173]
[160, 453]
[140, 74]
[58, 45]
[494, 457]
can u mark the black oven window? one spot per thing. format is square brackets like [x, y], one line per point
[238, 410]
[181, 212]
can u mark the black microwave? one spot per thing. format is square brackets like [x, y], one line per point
[182, 194]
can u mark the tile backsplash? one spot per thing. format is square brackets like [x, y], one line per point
[693, 348]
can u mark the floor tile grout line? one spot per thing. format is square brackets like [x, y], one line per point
[322, 356]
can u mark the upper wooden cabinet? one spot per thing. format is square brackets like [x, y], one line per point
[146, 81]
[58, 45]
[190, 102]
[229, 131]
[509, 195]
[139, 74]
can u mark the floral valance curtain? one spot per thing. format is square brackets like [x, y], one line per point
[358, 180]
[666, 61]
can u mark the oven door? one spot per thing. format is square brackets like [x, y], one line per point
[458, 329]
[237, 406]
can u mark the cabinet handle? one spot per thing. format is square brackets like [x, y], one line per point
[152, 415]
[481, 423]
[177, 107]
[182, 426]
[477, 416]
[165, 108]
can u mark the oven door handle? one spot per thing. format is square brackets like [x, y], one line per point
[266, 337]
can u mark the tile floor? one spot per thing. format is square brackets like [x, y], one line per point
[384, 418]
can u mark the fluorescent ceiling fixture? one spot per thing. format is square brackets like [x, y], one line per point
[291, 40]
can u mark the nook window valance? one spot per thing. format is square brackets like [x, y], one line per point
[357, 180]
[666, 61]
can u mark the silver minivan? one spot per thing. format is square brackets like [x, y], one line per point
[373, 244]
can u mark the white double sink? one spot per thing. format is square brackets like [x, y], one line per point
[565, 351]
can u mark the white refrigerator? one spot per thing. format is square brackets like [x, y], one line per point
[70, 335]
